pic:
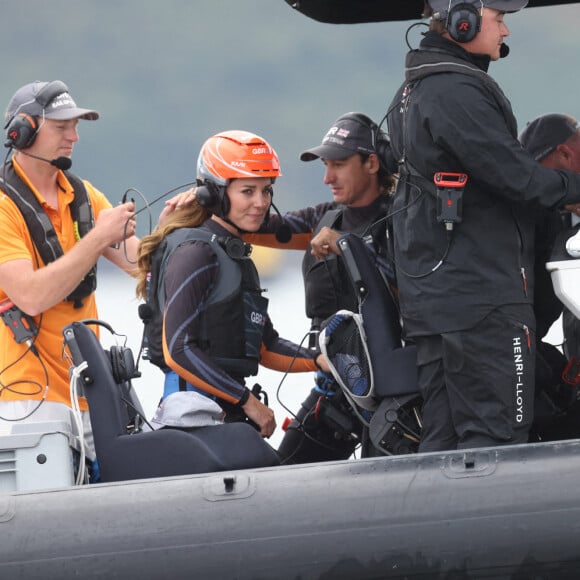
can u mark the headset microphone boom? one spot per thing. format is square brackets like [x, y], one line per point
[62, 163]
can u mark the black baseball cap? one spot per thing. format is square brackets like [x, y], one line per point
[351, 133]
[543, 134]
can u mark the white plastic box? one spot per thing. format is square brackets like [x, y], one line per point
[37, 456]
[566, 280]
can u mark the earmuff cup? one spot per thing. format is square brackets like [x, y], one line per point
[22, 131]
[122, 364]
[463, 22]
[213, 197]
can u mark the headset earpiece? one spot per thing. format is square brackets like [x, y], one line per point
[122, 364]
[22, 128]
[121, 357]
[212, 197]
[384, 152]
[463, 22]
[386, 157]
[21, 131]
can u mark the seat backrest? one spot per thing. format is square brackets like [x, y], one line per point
[102, 392]
[394, 365]
[164, 452]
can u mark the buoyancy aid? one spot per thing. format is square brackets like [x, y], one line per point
[326, 289]
[41, 229]
[233, 318]
[327, 286]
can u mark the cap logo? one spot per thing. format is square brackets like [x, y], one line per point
[336, 135]
[337, 131]
[63, 100]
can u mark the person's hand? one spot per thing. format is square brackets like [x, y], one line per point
[117, 223]
[573, 208]
[261, 415]
[324, 243]
[322, 364]
[182, 199]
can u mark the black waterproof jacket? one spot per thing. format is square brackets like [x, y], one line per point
[450, 116]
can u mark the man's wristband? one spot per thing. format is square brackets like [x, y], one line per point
[244, 398]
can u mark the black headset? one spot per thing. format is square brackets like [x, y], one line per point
[463, 22]
[379, 139]
[122, 364]
[121, 357]
[213, 197]
[22, 127]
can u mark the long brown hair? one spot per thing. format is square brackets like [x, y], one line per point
[190, 216]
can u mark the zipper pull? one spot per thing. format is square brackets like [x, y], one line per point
[525, 280]
[528, 337]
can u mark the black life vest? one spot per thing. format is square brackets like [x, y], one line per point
[327, 287]
[41, 228]
[234, 315]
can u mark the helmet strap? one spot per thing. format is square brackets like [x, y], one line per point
[229, 221]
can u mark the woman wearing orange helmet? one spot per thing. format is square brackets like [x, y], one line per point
[209, 328]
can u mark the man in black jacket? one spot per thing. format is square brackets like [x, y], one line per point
[464, 230]
[361, 186]
[554, 141]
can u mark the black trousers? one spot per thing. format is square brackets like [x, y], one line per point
[478, 384]
[318, 432]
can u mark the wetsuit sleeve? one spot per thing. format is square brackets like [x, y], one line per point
[189, 278]
[283, 355]
[302, 223]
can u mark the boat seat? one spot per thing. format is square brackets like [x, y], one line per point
[394, 364]
[164, 452]
[394, 427]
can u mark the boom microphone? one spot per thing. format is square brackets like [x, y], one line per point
[145, 312]
[283, 233]
[504, 50]
[62, 163]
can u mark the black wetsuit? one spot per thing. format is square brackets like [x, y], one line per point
[212, 342]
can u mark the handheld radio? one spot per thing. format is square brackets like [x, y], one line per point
[21, 324]
[450, 188]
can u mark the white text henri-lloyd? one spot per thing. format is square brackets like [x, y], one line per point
[519, 362]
